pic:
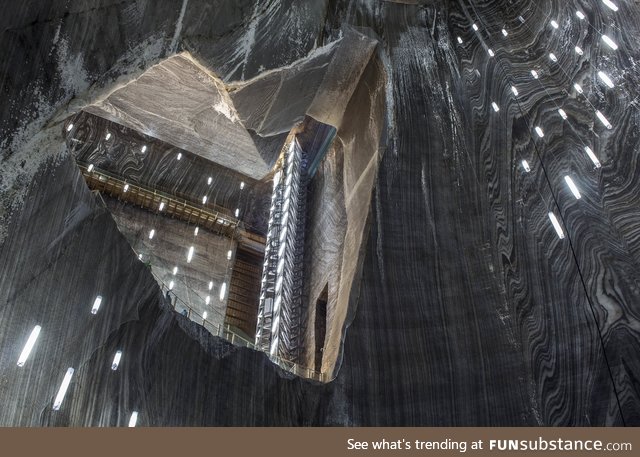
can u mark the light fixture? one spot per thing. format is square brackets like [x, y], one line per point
[578, 88]
[459, 40]
[610, 4]
[175, 271]
[133, 420]
[229, 254]
[572, 186]
[609, 42]
[69, 127]
[209, 180]
[223, 290]
[579, 50]
[126, 188]
[242, 185]
[474, 27]
[207, 300]
[195, 231]
[592, 156]
[116, 360]
[504, 32]
[90, 168]
[604, 120]
[108, 136]
[556, 225]
[190, 254]
[237, 213]
[179, 156]
[161, 206]
[152, 233]
[491, 53]
[514, 90]
[580, 15]
[521, 19]
[204, 315]
[96, 304]
[210, 285]
[605, 79]
[31, 341]
[171, 284]
[495, 107]
[204, 199]
[144, 148]
[534, 74]
[63, 389]
[554, 24]
[562, 113]
[553, 57]
[526, 166]
[539, 132]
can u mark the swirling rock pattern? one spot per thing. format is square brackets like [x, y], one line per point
[470, 311]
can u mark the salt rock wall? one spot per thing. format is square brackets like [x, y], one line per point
[469, 311]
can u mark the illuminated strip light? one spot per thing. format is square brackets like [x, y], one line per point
[459, 40]
[592, 156]
[514, 90]
[553, 57]
[126, 188]
[204, 200]
[144, 149]
[116, 360]
[539, 132]
[152, 233]
[175, 271]
[229, 254]
[190, 254]
[504, 32]
[96, 304]
[63, 389]
[90, 168]
[133, 420]
[610, 4]
[563, 114]
[610, 42]
[579, 50]
[242, 184]
[210, 285]
[474, 27]
[521, 19]
[526, 166]
[179, 156]
[604, 120]
[578, 88]
[534, 74]
[237, 212]
[491, 53]
[31, 341]
[573, 187]
[605, 79]
[209, 180]
[556, 225]
[204, 315]
[223, 291]
[195, 231]
[171, 284]
[108, 136]
[554, 24]
[69, 127]
[207, 300]
[496, 108]
[161, 206]
[580, 15]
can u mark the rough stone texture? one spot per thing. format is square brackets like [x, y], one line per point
[471, 310]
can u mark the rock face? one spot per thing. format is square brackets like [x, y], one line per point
[469, 310]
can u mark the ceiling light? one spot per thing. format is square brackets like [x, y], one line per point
[223, 290]
[90, 168]
[603, 76]
[491, 53]
[580, 15]
[604, 120]
[554, 24]
[572, 186]
[69, 127]
[514, 90]
[556, 225]
[526, 166]
[116, 360]
[459, 40]
[126, 188]
[144, 149]
[96, 304]
[475, 27]
[133, 420]
[562, 114]
[553, 57]
[495, 107]
[31, 341]
[610, 4]
[592, 156]
[579, 50]
[152, 233]
[578, 88]
[63, 389]
[534, 74]
[107, 137]
[609, 42]
[190, 254]
[539, 132]
[504, 32]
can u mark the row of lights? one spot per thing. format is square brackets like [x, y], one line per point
[601, 75]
